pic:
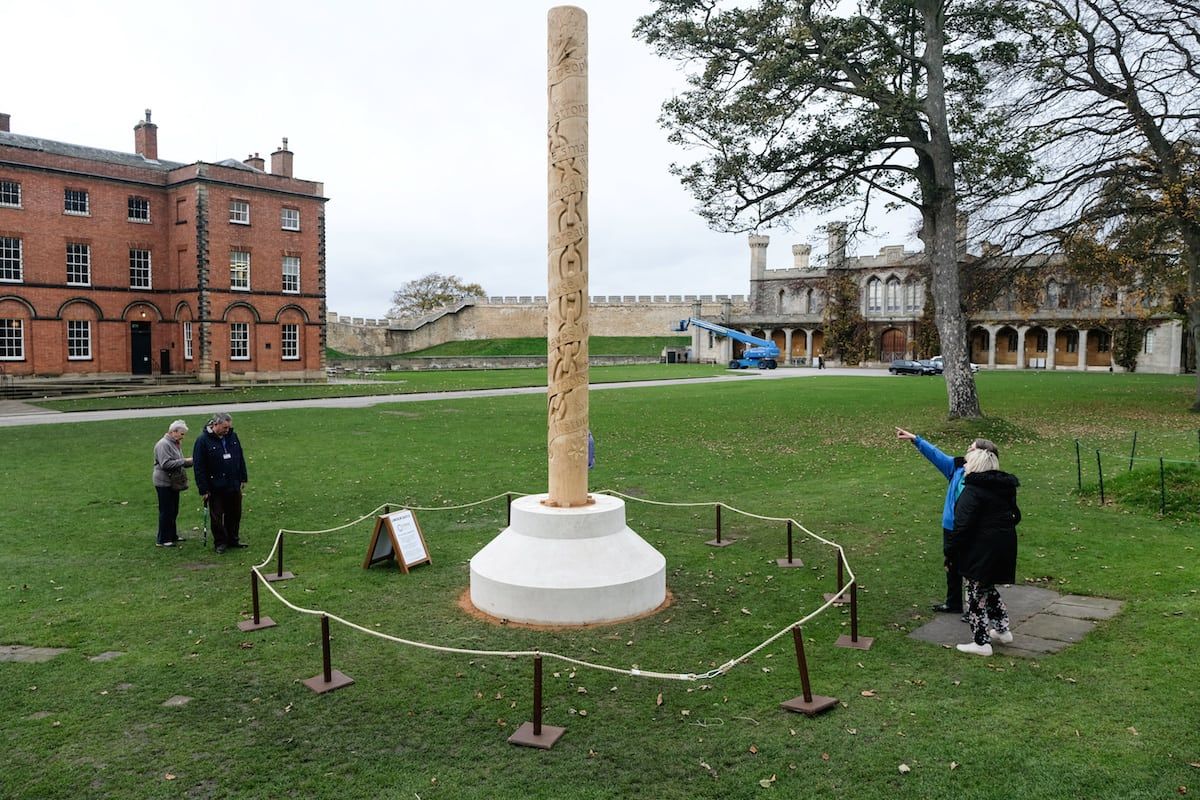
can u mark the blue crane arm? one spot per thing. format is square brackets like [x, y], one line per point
[723, 331]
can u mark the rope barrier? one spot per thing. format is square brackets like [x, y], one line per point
[635, 672]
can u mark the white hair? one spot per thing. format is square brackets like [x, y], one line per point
[980, 461]
[178, 425]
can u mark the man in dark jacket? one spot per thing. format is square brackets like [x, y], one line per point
[220, 470]
[984, 546]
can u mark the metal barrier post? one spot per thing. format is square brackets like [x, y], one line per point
[535, 734]
[330, 678]
[279, 575]
[853, 639]
[788, 562]
[807, 703]
[258, 622]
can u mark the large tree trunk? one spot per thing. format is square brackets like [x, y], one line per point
[939, 224]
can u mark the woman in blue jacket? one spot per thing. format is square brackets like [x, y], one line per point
[952, 468]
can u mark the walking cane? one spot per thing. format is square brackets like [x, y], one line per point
[204, 528]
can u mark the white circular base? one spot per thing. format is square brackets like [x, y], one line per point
[568, 566]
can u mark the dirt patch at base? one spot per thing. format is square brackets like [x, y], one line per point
[466, 606]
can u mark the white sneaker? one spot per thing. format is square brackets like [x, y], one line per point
[1004, 638]
[977, 649]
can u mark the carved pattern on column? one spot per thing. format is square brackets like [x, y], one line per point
[567, 262]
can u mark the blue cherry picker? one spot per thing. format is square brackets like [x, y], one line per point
[761, 354]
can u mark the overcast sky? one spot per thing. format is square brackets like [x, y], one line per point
[426, 122]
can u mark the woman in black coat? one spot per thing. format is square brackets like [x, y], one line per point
[984, 546]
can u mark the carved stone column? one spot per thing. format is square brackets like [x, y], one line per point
[567, 293]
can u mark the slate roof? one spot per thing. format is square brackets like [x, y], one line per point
[79, 151]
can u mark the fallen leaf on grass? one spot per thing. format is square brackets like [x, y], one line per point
[824, 756]
[169, 776]
[766, 783]
[1132, 730]
[753, 749]
[867, 692]
[953, 765]
[658, 700]
[904, 769]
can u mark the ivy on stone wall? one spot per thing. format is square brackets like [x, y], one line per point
[928, 342]
[846, 332]
[1127, 338]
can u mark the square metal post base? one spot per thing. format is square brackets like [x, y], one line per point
[543, 741]
[251, 625]
[725, 542]
[863, 643]
[810, 708]
[795, 562]
[337, 681]
[275, 576]
[838, 599]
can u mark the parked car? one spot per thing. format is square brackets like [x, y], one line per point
[902, 366]
[940, 364]
[930, 367]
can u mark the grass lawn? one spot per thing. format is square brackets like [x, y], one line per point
[1114, 716]
[388, 383]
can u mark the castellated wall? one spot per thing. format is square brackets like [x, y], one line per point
[514, 317]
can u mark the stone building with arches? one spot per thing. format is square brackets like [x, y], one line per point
[1054, 323]
[116, 263]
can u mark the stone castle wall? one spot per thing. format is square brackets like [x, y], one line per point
[516, 317]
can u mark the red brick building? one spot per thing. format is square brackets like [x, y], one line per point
[121, 263]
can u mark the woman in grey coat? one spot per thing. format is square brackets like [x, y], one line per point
[170, 478]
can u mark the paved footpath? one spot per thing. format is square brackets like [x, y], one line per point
[13, 413]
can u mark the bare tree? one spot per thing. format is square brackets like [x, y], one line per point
[1114, 101]
[809, 106]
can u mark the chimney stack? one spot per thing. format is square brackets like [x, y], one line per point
[281, 161]
[145, 138]
[4, 118]
[257, 162]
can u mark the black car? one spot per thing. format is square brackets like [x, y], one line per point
[930, 367]
[902, 366]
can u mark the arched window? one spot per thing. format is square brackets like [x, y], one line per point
[893, 294]
[779, 303]
[808, 302]
[914, 298]
[874, 295]
[1148, 347]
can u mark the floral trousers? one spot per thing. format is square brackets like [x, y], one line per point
[985, 609]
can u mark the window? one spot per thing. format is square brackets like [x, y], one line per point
[10, 194]
[79, 264]
[239, 341]
[1148, 345]
[139, 209]
[12, 340]
[180, 211]
[874, 294]
[10, 259]
[1053, 294]
[239, 271]
[187, 341]
[75, 201]
[139, 269]
[1042, 339]
[289, 342]
[893, 294]
[1072, 341]
[79, 340]
[913, 299]
[1012, 341]
[289, 219]
[291, 274]
[1103, 342]
[239, 212]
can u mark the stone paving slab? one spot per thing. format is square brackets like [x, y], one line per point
[1079, 612]
[1061, 629]
[177, 701]
[29, 655]
[1043, 621]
